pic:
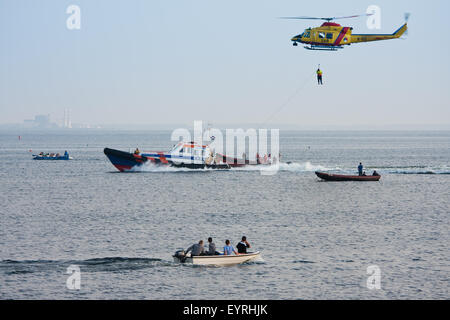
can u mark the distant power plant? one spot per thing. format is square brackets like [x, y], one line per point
[67, 121]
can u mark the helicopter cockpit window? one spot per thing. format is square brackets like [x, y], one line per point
[307, 34]
[329, 36]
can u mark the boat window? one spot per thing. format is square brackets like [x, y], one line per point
[181, 150]
[329, 36]
[321, 35]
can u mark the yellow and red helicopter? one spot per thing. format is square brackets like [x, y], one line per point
[332, 36]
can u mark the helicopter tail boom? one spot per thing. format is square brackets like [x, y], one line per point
[376, 37]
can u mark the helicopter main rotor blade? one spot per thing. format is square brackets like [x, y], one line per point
[305, 18]
[354, 16]
[328, 19]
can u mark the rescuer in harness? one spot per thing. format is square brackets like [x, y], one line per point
[319, 76]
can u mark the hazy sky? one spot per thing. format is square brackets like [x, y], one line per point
[228, 61]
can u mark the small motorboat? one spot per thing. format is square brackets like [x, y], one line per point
[52, 156]
[216, 260]
[341, 177]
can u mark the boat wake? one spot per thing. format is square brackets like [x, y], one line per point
[415, 170]
[108, 264]
[287, 167]
[284, 166]
[301, 167]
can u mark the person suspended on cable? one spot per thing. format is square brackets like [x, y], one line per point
[319, 76]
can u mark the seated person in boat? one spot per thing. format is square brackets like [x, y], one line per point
[66, 153]
[228, 249]
[211, 248]
[375, 173]
[243, 245]
[137, 151]
[364, 174]
[196, 249]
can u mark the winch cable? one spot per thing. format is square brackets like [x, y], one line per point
[297, 91]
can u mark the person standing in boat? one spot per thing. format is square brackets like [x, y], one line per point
[360, 169]
[196, 249]
[228, 249]
[243, 245]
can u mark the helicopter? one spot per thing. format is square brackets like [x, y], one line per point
[331, 36]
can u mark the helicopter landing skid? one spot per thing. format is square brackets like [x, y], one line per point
[323, 48]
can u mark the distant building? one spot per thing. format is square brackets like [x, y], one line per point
[41, 122]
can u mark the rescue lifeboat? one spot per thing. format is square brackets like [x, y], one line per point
[183, 155]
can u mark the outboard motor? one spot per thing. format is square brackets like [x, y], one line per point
[181, 255]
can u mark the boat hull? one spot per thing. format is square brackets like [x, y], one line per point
[220, 260]
[125, 161]
[340, 177]
[52, 158]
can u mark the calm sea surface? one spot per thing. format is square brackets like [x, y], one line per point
[317, 238]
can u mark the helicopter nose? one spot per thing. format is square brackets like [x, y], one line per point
[296, 38]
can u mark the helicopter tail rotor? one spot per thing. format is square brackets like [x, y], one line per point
[407, 14]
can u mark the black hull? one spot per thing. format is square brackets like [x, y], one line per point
[125, 161]
[339, 177]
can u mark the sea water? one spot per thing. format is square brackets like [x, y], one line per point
[317, 238]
